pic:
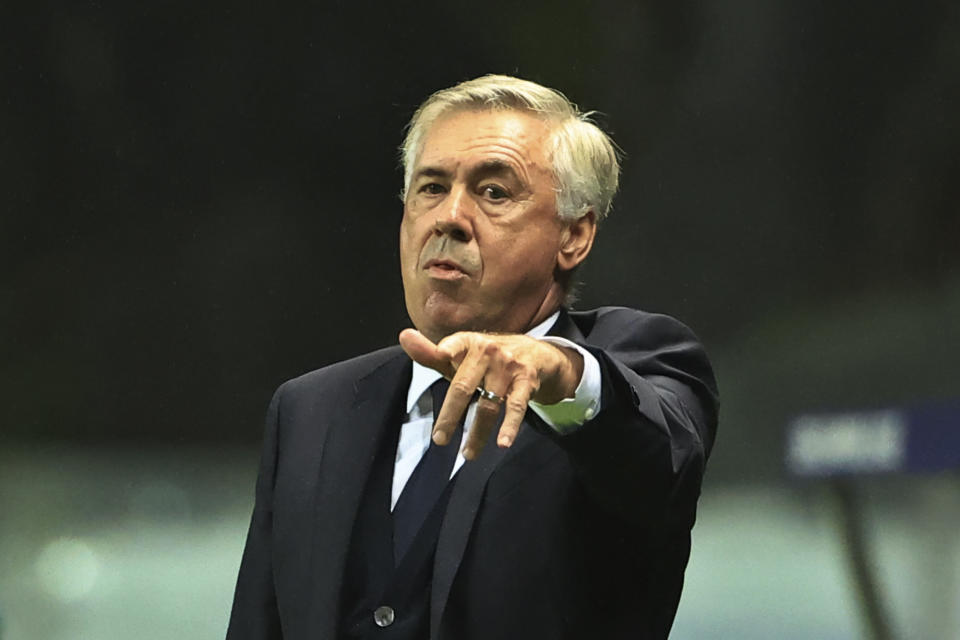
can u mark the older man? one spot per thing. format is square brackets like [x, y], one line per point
[549, 492]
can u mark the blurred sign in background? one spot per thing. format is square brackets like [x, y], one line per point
[922, 438]
[198, 201]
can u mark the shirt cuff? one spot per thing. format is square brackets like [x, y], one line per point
[570, 413]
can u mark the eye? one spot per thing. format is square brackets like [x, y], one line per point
[494, 192]
[432, 188]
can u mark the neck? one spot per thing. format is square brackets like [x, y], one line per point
[551, 303]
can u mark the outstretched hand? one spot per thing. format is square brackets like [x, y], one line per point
[515, 367]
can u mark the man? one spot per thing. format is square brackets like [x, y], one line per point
[568, 510]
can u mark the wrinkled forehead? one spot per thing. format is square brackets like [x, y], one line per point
[519, 135]
[493, 111]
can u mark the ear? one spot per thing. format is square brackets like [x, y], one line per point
[576, 240]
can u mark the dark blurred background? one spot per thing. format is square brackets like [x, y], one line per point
[199, 201]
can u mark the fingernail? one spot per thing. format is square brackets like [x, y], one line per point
[440, 438]
[468, 453]
[504, 441]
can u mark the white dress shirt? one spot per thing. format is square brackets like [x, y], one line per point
[565, 416]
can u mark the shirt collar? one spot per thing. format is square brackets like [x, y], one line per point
[423, 377]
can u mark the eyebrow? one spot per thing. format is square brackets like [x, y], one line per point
[431, 172]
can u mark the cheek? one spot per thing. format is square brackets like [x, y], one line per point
[407, 245]
[541, 257]
[521, 261]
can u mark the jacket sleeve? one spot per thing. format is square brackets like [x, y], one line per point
[255, 615]
[644, 453]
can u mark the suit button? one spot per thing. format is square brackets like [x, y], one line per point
[383, 616]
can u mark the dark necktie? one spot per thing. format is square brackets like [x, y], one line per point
[426, 483]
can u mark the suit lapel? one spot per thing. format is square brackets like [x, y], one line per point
[462, 509]
[564, 327]
[467, 495]
[351, 445]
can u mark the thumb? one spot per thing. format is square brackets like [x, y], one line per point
[422, 350]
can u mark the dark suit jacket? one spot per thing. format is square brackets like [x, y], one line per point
[585, 535]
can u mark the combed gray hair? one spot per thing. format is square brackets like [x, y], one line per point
[586, 162]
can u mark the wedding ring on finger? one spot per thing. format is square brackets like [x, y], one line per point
[490, 395]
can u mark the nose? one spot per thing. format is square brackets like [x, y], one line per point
[454, 216]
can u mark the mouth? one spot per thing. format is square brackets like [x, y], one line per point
[445, 269]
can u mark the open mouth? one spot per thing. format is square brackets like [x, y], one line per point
[444, 269]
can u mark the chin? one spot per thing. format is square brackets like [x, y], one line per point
[438, 328]
[437, 321]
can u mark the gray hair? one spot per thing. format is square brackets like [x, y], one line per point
[586, 162]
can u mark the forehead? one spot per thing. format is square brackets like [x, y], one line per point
[463, 136]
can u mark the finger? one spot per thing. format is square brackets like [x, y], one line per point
[515, 409]
[456, 346]
[422, 350]
[488, 411]
[464, 383]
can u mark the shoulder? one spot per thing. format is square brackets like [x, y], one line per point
[340, 377]
[652, 345]
[616, 325]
